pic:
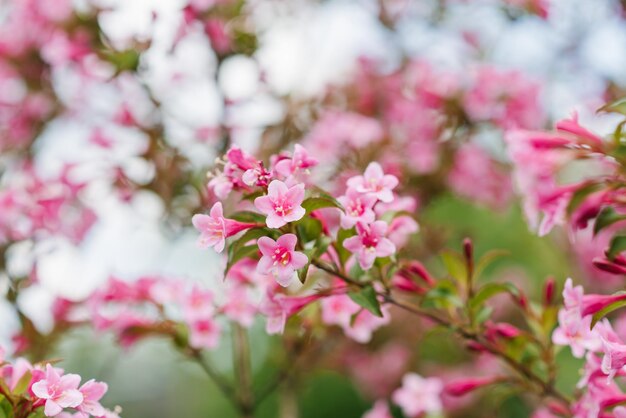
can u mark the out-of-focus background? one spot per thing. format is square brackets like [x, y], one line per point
[574, 50]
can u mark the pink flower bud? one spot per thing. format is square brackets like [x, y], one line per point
[468, 249]
[594, 303]
[463, 387]
[548, 291]
[608, 266]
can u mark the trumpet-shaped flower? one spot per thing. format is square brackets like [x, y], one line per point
[58, 390]
[375, 181]
[370, 243]
[280, 258]
[214, 228]
[92, 392]
[282, 204]
[418, 395]
[300, 162]
[358, 208]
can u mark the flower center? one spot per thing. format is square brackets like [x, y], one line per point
[356, 208]
[281, 207]
[281, 256]
[369, 240]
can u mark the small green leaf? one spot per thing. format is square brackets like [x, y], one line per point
[253, 195]
[607, 216]
[443, 295]
[309, 229]
[490, 290]
[455, 264]
[123, 60]
[486, 260]
[367, 299]
[23, 383]
[248, 216]
[608, 309]
[342, 235]
[314, 203]
[239, 254]
[249, 235]
[483, 314]
[618, 106]
[617, 245]
[302, 273]
[580, 195]
[6, 410]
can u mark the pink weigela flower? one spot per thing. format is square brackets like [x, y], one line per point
[418, 395]
[280, 259]
[375, 181]
[370, 243]
[214, 228]
[59, 391]
[92, 392]
[358, 208]
[282, 204]
[300, 162]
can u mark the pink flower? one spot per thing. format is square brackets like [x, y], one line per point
[400, 230]
[239, 307]
[338, 310]
[300, 162]
[280, 259]
[59, 391]
[572, 126]
[370, 243]
[282, 204]
[278, 308]
[418, 395]
[574, 331]
[364, 324]
[595, 303]
[341, 310]
[380, 410]
[358, 208]
[204, 333]
[375, 181]
[92, 392]
[214, 228]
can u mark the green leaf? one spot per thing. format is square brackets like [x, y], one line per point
[455, 264]
[617, 245]
[483, 314]
[618, 106]
[314, 203]
[607, 216]
[309, 229]
[253, 195]
[443, 295]
[249, 235]
[342, 235]
[486, 260]
[490, 290]
[6, 411]
[23, 383]
[248, 216]
[302, 273]
[608, 309]
[580, 195]
[366, 298]
[239, 254]
[123, 60]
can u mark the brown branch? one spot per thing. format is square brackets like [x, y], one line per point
[546, 388]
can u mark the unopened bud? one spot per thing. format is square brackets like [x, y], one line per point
[549, 291]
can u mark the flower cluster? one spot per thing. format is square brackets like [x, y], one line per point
[29, 389]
